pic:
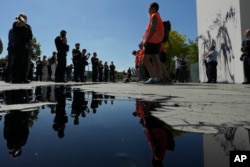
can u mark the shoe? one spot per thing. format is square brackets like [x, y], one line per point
[149, 81]
[26, 81]
[156, 80]
[247, 82]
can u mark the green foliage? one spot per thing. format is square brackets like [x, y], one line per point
[36, 49]
[177, 45]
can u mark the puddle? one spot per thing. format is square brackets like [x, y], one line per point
[59, 126]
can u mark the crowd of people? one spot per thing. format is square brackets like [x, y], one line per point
[19, 67]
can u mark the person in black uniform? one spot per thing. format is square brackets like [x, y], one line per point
[95, 63]
[245, 57]
[78, 63]
[112, 72]
[62, 49]
[22, 44]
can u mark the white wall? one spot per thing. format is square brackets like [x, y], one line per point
[222, 23]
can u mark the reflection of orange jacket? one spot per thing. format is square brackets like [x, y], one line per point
[159, 32]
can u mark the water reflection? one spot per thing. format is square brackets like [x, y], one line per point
[107, 132]
[17, 122]
[61, 117]
[158, 133]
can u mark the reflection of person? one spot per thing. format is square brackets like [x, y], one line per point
[79, 106]
[211, 58]
[60, 118]
[16, 131]
[16, 124]
[245, 57]
[62, 49]
[158, 133]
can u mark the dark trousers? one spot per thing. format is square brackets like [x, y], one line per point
[20, 65]
[61, 67]
[94, 74]
[212, 71]
[112, 76]
[78, 71]
[246, 65]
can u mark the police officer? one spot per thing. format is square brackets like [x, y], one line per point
[245, 57]
[22, 43]
[62, 49]
[78, 63]
[211, 58]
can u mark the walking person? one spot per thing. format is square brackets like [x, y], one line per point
[212, 64]
[22, 43]
[245, 57]
[152, 39]
[62, 49]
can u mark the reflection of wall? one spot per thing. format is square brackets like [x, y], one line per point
[217, 147]
[222, 23]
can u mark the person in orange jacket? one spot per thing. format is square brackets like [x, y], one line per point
[152, 39]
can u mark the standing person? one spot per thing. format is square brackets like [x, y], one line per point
[85, 58]
[77, 63]
[8, 72]
[106, 71]
[183, 62]
[1, 46]
[94, 62]
[62, 49]
[245, 57]
[177, 69]
[112, 72]
[22, 43]
[212, 64]
[152, 44]
[45, 68]
[100, 68]
[53, 64]
[39, 69]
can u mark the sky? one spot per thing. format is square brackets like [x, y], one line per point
[112, 28]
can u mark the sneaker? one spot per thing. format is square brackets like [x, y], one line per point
[149, 81]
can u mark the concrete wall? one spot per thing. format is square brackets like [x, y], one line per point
[222, 23]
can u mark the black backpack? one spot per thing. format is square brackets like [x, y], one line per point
[167, 29]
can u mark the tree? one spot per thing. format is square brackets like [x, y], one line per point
[177, 45]
[36, 49]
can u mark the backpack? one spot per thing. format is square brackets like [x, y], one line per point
[167, 29]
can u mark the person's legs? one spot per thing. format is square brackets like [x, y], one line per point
[148, 64]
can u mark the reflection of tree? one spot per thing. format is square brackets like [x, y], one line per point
[223, 43]
[60, 118]
[158, 133]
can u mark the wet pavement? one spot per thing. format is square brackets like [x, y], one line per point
[118, 124]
